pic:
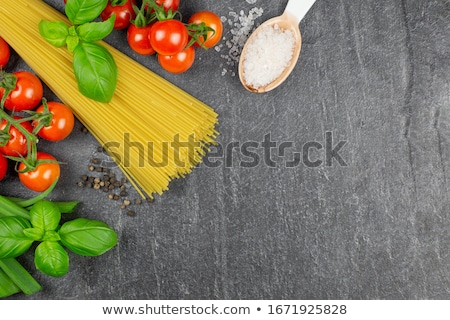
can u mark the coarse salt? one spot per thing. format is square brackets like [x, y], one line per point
[241, 25]
[268, 54]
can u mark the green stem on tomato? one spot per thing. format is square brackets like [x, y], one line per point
[41, 119]
[159, 12]
[143, 17]
[31, 138]
[20, 276]
[8, 81]
[197, 31]
[119, 3]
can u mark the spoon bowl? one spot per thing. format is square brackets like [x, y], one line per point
[286, 22]
[289, 20]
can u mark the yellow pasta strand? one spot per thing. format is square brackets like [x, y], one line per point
[154, 131]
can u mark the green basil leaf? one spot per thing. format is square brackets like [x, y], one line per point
[51, 258]
[55, 32]
[82, 11]
[87, 237]
[72, 39]
[13, 242]
[95, 31]
[72, 42]
[45, 215]
[34, 233]
[95, 71]
[51, 236]
[67, 206]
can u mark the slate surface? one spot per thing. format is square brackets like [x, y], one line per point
[369, 221]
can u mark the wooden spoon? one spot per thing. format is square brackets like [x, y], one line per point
[289, 20]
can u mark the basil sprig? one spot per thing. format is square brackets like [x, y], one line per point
[81, 236]
[13, 242]
[94, 67]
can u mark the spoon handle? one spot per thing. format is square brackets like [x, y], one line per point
[299, 8]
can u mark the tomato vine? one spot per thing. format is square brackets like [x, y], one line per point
[19, 134]
[158, 27]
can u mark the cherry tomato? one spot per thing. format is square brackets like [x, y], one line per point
[43, 176]
[138, 39]
[5, 53]
[26, 95]
[168, 37]
[124, 12]
[17, 143]
[211, 20]
[169, 4]
[61, 124]
[3, 166]
[179, 62]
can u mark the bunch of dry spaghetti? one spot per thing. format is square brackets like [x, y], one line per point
[154, 130]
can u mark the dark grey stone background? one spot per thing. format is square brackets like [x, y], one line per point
[374, 73]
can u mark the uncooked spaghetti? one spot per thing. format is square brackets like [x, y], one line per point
[153, 130]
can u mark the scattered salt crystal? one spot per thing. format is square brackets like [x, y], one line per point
[242, 25]
[268, 55]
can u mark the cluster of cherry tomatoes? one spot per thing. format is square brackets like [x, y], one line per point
[26, 116]
[156, 28]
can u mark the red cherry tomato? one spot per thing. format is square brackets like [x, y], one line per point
[61, 124]
[169, 4]
[3, 166]
[123, 9]
[43, 176]
[138, 39]
[211, 20]
[17, 143]
[168, 37]
[5, 53]
[26, 95]
[179, 62]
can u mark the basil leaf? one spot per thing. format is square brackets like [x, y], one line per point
[55, 32]
[72, 39]
[95, 31]
[51, 236]
[95, 71]
[51, 258]
[34, 233]
[72, 42]
[82, 11]
[45, 215]
[87, 237]
[13, 242]
[67, 206]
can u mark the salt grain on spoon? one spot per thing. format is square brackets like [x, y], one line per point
[272, 50]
